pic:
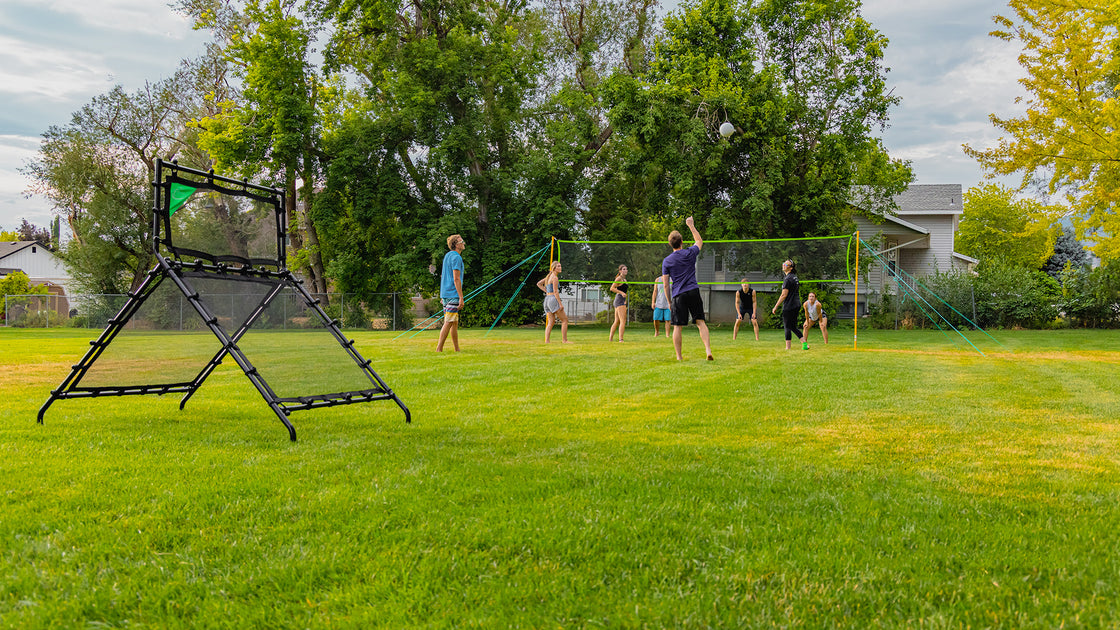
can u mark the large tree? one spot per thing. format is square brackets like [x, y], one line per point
[1068, 140]
[995, 224]
[803, 84]
[269, 131]
[97, 173]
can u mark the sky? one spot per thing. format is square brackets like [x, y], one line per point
[56, 55]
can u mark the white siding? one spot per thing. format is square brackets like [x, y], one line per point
[38, 263]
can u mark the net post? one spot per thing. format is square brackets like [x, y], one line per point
[855, 306]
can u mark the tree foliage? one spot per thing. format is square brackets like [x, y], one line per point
[1069, 138]
[1069, 253]
[997, 225]
[96, 172]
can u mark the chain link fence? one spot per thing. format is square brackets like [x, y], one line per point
[384, 311]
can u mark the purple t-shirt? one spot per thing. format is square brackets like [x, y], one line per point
[681, 267]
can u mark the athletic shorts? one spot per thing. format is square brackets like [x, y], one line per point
[686, 305]
[551, 304]
[747, 315]
[661, 314]
[451, 310]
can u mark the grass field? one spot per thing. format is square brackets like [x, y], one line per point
[912, 483]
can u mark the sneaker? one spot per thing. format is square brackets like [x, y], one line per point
[805, 346]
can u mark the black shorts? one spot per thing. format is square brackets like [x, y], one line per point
[687, 304]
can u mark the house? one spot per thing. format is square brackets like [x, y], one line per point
[42, 267]
[919, 239]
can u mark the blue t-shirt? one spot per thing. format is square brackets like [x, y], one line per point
[451, 261]
[681, 267]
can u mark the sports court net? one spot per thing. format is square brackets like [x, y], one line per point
[823, 259]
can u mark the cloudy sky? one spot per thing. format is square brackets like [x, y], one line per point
[55, 55]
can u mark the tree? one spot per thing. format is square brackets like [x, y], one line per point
[996, 225]
[803, 84]
[270, 131]
[97, 172]
[30, 232]
[828, 61]
[1068, 253]
[17, 283]
[1069, 138]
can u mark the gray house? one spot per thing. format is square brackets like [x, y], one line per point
[919, 240]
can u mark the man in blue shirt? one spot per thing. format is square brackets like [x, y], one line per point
[451, 291]
[680, 266]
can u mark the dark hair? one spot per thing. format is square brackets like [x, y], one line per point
[675, 239]
[792, 266]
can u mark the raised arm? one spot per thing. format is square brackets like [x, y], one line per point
[695, 233]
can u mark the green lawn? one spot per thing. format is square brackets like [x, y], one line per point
[910, 483]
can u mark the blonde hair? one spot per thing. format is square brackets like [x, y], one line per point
[675, 239]
[453, 240]
[554, 265]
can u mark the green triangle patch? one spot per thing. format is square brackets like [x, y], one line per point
[178, 195]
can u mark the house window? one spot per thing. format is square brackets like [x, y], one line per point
[591, 294]
[719, 262]
[33, 250]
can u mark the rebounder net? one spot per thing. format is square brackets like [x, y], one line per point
[167, 342]
[822, 259]
[210, 222]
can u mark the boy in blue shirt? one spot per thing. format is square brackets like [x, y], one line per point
[451, 291]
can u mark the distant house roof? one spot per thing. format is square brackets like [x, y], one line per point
[4, 271]
[930, 199]
[968, 259]
[7, 248]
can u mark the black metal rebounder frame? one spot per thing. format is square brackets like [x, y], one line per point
[186, 267]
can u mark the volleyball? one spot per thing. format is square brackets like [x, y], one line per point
[726, 129]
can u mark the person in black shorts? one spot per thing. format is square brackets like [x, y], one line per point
[746, 307]
[680, 267]
[790, 301]
[621, 300]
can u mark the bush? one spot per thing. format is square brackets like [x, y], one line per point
[1010, 296]
[1090, 297]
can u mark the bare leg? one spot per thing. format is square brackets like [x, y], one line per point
[705, 337]
[655, 328]
[443, 335]
[549, 320]
[620, 316]
[754, 322]
[614, 327]
[563, 326]
[455, 335]
[677, 341]
[824, 328]
[735, 332]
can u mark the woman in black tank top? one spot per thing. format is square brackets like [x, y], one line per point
[620, 289]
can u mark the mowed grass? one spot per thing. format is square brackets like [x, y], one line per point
[909, 483]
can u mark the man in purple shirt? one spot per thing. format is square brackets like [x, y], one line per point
[680, 266]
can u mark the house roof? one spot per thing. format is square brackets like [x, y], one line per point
[7, 248]
[967, 259]
[906, 224]
[930, 199]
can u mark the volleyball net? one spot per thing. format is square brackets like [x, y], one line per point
[759, 261]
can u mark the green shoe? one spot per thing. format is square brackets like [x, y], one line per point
[805, 345]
